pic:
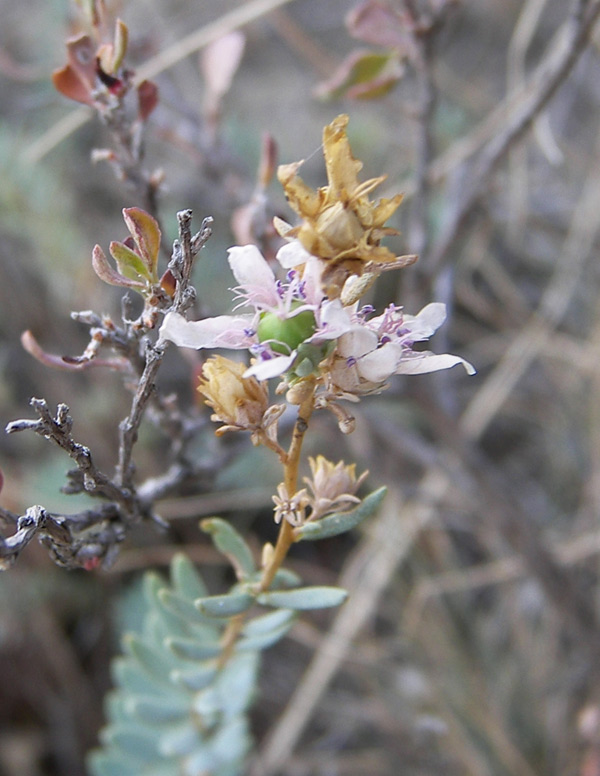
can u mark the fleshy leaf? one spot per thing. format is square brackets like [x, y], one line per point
[194, 649]
[180, 741]
[229, 542]
[225, 605]
[340, 522]
[304, 597]
[158, 711]
[186, 579]
[274, 627]
[184, 608]
[133, 739]
[146, 234]
[196, 678]
[156, 664]
[105, 764]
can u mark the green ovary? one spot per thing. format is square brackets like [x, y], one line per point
[285, 335]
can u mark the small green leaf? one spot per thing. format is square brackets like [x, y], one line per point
[105, 272]
[186, 579]
[129, 264]
[146, 234]
[228, 541]
[225, 605]
[363, 75]
[304, 597]
[340, 522]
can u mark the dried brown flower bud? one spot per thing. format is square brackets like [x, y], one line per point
[238, 402]
[333, 485]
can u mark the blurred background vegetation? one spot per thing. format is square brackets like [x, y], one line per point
[470, 643]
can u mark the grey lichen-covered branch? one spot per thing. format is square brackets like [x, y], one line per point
[92, 536]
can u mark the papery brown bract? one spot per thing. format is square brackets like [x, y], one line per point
[341, 225]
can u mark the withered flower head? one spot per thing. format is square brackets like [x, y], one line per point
[290, 508]
[333, 485]
[238, 402]
[340, 223]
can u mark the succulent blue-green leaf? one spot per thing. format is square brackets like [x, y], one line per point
[154, 662]
[304, 597]
[197, 762]
[268, 622]
[186, 609]
[161, 619]
[230, 542]
[187, 582]
[130, 676]
[285, 578]
[134, 740]
[161, 623]
[158, 711]
[231, 741]
[264, 631]
[102, 763]
[236, 683]
[340, 522]
[194, 649]
[115, 707]
[262, 640]
[180, 741]
[207, 705]
[225, 605]
[196, 678]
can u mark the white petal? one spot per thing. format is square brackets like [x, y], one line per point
[253, 274]
[272, 367]
[419, 363]
[224, 331]
[333, 321]
[357, 342]
[292, 254]
[311, 277]
[425, 323]
[378, 365]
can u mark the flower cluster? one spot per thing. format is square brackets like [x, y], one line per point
[303, 323]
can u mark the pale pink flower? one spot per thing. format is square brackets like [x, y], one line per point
[259, 288]
[371, 350]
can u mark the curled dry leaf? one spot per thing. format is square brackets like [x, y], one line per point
[219, 62]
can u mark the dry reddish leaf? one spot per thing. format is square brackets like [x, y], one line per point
[381, 25]
[147, 94]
